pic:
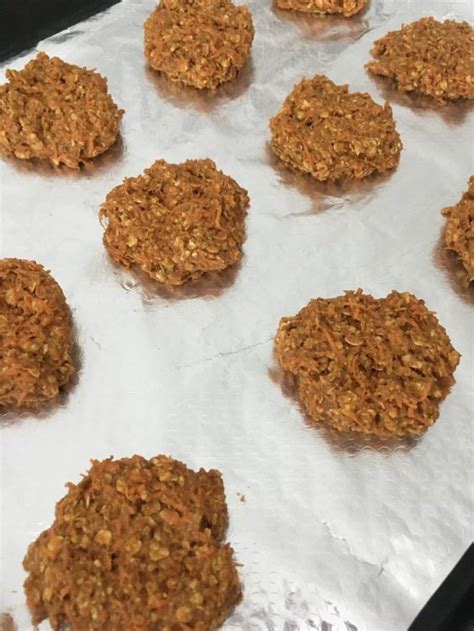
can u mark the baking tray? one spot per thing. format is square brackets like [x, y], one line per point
[334, 533]
[23, 23]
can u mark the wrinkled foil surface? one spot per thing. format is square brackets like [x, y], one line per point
[333, 534]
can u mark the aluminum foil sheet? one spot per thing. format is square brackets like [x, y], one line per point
[333, 534]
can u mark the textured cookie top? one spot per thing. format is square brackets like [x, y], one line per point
[176, 221]
[367, 365]
[35, 335]
[332, 134]
[347, 8]
[57, 112]
[428, 57]
[460, 229]
[201, 43]
[135, 545]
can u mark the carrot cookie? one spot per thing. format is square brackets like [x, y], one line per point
[36, 338]
[56, 112]
[428, 57]
[347, 8]
[332, 134]
[201, 43]
[176, 221]
[136, 545]
[367, 365]
[460, 229]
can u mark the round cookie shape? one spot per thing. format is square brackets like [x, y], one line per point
[370, 366]
[347, 8]
[428, 57]
[332, 134]
[36, 338]
[199, 43]
[57, 112]
[176, 222]
[459, 235]
[137, 544]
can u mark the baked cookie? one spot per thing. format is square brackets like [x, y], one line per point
[428, 57]
[333, 134]
[176, 221]
[367, 365]
[347, 8]
[201, 43]
[136, 545]
[56, 112]
[36, 339]
[459, 235]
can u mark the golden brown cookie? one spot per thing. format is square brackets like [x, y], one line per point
[367, 365]
[428, 57]
[347, 8]
[176, 221]
[201, 43]
[136, 545]
[460, 229]
[36, 339]
[57, 112]
[332, 134]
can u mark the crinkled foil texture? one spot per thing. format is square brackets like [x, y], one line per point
[333, 534]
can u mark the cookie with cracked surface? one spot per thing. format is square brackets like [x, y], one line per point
[176, 221]
[57, 112]
[428, 57]
[36, 339]
[199, 43]
[137, 544]
[347, 8]
[332, 134]
[370, 366]
[459, 235]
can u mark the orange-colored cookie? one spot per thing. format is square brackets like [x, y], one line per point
[333, 134]
[367, 365]
[201, 43]
[347, 8]
[136, 545]
[56, 112]
[176, 221]
[459, 235]
[428, 57]
[36, 339]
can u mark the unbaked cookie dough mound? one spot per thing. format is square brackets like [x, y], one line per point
[56, 112]
[347, 8]
[176, 221]
[428, 57]
[367, 365]
[36, 339]
[333, 134]
[460, 229]
[136, 545]
[200, 43]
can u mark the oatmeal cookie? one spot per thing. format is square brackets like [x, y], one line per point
[428, 57]
[460, 229]
[201, 43]
[36, 338]
[367, 365]
[137, 544]
[347, 8]
[56, 112]
[176, 221]
[332, 134]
